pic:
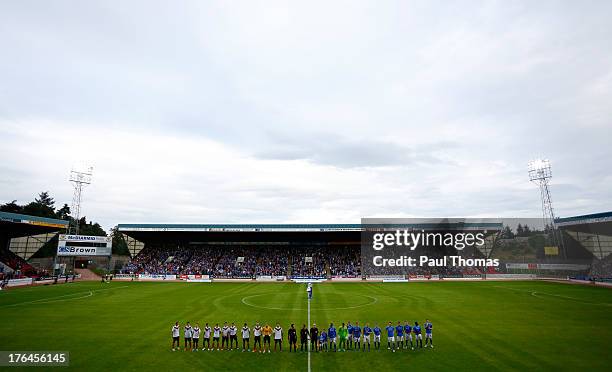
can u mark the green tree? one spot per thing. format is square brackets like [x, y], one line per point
[119, 245]
[43, 206]
[63, 213]
[11, 207]
[507, 233]
[526, 231]
[45, 199]
[90, 228]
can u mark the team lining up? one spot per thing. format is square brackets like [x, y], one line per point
[349, 337]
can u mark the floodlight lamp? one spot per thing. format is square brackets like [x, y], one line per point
[539, 164]
[539, 169]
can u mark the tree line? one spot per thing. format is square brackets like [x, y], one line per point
[521, 231]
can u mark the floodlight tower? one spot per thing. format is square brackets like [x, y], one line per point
[540, 173]
[78, 180]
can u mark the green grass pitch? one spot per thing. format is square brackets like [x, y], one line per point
[477, 326]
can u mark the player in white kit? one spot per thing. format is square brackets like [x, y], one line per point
[257, 337]
[206, 340]
[187, 336]
[216, 334]
[225, 336]
[195, 337]
[278, 337]
[176, 330]
[246, 334]
[233, 336]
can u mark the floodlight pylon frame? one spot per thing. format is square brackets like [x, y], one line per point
[540, 173]
[79, 179]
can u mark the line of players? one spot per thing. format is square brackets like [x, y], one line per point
[346, 337]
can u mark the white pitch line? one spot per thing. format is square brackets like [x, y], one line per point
[309, 332]
[67, 299]
[510, 289]
[52, 299]
[244, 301]
[536, 293]
[61, 298]
[108, 289]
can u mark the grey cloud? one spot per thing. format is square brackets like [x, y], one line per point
[344, 152]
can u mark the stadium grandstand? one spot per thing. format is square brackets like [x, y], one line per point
[333, 251]
[243, 251]
[252, 251]
[20, 237]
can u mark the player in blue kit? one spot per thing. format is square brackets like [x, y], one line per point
[408, 332]
[367, 331]
[357, 335]
[377, 331]
[323, 340]
[390, 337]
[418, 338]
[399, 333]
[331, 333]
[428, 336]
[349, 327]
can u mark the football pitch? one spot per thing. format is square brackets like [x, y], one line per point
[477, 326]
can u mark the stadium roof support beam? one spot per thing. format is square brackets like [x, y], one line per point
[134, 246]
[599, 245]
[489, 243]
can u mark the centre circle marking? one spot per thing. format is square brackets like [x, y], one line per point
[373, 300]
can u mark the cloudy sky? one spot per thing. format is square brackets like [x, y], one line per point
[313, 112]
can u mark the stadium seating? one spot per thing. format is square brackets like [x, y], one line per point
[21, 267]
[255, 260]
[251, 261]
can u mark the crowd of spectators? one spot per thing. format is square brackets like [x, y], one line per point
[601, 269]
[345, 261]
[271, 261]
[244, 261]
[235, 262]
[158, 260]
[250, 261]
[308, 261]
[201, 261]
